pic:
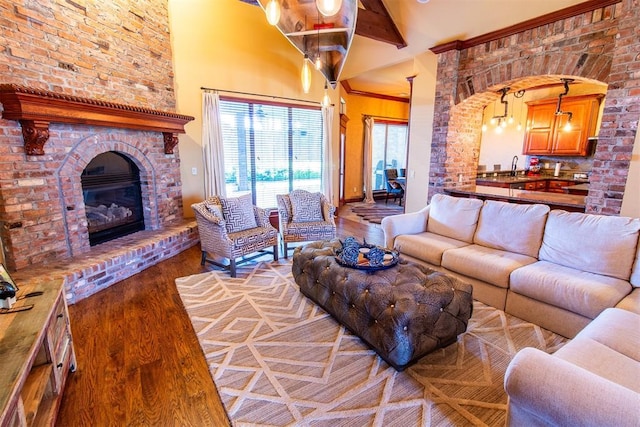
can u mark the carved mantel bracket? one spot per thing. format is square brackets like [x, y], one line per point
[170, 142]
[36, 108]
[35, 134]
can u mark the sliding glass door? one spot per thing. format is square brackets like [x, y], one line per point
[388, 150]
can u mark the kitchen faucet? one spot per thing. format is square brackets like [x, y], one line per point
[514, 165]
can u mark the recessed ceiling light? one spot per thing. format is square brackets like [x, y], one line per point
[423, 1]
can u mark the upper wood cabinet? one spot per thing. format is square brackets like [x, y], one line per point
[545, 131]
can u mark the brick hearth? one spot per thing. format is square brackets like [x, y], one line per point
[111, 262]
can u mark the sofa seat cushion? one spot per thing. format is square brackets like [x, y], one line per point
[511, 227]
[631, 302]
[608, 347]
[454, 217]
[581, 292]
[489, 265]
[595, 243]
[426, 246]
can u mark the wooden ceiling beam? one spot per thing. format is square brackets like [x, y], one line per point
[374, 22]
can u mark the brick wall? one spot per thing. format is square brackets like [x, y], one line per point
[597, 46]
[117, 51]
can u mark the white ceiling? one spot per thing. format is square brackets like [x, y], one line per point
[378, 67]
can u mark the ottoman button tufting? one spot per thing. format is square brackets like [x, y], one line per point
[412, 284]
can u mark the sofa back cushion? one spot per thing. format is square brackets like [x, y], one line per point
[511, 227]
[598, 244]
[453, 217]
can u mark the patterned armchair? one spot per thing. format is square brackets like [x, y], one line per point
[232, 228]
[305, 217]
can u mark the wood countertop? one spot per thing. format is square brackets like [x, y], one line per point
[568, 202]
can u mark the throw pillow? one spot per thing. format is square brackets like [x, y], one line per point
[305, 206]
[238, 213]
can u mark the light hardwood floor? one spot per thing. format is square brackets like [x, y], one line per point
[139, 361]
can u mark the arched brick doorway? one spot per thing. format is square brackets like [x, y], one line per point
[591, 47]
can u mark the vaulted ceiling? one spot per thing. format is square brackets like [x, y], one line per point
[390, 34]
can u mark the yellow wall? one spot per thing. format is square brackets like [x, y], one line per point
[356, 107]
[228, 44]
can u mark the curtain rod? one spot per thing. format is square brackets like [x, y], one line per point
[384, 117]
[258, 94]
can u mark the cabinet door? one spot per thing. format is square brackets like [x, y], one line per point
[540, 121]
[574, 141]
[546, 133]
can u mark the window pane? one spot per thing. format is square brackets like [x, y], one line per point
[270, 149]
[307, 152]
[377, 156]
[388, 151]
[397, 145]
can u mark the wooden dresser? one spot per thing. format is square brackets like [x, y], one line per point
[36, 356]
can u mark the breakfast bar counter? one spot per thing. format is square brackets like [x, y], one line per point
[568, 202]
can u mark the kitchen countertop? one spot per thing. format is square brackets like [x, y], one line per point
[555, 200]
[526, 178]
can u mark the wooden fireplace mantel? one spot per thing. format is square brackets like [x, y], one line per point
[36, 108]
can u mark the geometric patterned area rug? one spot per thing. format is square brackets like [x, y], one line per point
[277, 359]
[374, 213]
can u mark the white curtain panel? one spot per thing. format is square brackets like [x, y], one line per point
[327, 142]
[368, 141]
[212, 147]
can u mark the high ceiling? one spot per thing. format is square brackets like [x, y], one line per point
[381, 67]
[374, 66]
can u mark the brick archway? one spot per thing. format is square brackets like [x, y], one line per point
[588, 47]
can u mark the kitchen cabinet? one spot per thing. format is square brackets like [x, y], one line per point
[37, 356]
[546, 133]
[557, 186]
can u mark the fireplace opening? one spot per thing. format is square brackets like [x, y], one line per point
[112, 197]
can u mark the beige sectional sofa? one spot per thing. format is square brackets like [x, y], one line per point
[594, 380]
[559, 270]
[554, 268]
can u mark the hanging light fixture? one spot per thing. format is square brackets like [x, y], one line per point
[305, 74]
[502, 120]
[318, 61]
[559, 112]
[273, 12]
[328, 7]
[326, 101]
[519, 94]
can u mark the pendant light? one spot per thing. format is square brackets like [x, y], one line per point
[273, 12]
[328, 7]
[326, 100]
[305, 74]
[559, 112]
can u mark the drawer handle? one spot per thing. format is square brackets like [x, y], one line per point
[60, 365]
[59, 316]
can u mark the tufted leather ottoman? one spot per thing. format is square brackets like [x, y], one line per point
[403, 312]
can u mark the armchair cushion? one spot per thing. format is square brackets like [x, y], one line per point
[238, 213]
[306, 206]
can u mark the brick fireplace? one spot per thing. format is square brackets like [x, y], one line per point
[44, 225]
